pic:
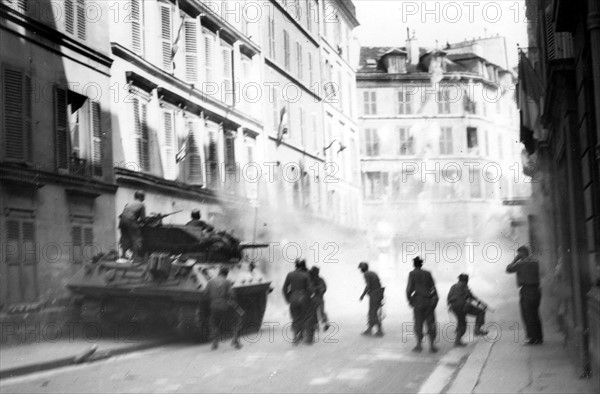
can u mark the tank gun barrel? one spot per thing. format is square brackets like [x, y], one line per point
[253, 245]
[154, 219]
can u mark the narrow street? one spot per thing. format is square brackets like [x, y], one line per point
[341, 361]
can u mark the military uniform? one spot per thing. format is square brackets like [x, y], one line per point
[459, 300]
[375, 291]
[422, 296]
[222, 306]
[129, 224]
[318, 301]
[200, 223]
[298, 290]
[528, 279]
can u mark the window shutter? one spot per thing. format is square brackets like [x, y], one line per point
[550, 38]
[28, 237]
[227, 74]
[27, 122]
[97, 146]
[191, 50]
[286, 49]
[81, 19]
[212, 157]
[137, 40]
[77, 240]
[310, 64]
[165, 34]
[194, 165]
[169, 144]
[69, 16]
[88, 236]
[61, 131]
[140, 129]
[17, 115]
[230, 152]
[209, 42]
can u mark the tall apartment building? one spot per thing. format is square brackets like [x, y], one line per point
[440, 156]
[560, 106]
[56, 178]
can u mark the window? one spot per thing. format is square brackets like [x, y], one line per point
[313, 134]
[301, 126]
[17, 99]
[190, 27]
[299, 64]
[227, 53]
[21, 263]
[406, 140]
[79, 147]
[404, 102]
[137, 27]
[140, 132]
[443, 102]
[251, 172]
[286, 50]
[472, 143]
[191, 146]
[209, 56]
[500, 148]
[75, 18]
[376, 185]
[475, 183]
[231, 167]
[21, 6]
[166, 31]
[271, 33]
[275, 108]
[309, 15]
[82, 236]
[370, 102]
[486, 145]
[446, 146]
[211, 148]
[168, 144]
[371, 142]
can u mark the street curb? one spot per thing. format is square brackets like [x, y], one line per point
[444, 372]
[73, 360]
[468, 376]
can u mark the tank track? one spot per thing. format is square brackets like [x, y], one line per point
[192, 322]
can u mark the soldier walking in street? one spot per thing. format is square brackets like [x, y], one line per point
[130, 222]
[298, 291]
[222, 306]
[422, 297]
[528, 279]
[460, 301]
[375, 291]
[320, 287]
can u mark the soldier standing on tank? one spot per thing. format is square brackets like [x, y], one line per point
[197, 222]
[320, 288]
[130, 222]
[423, 298]
[375, 291]
[222, 305]
[298, 291]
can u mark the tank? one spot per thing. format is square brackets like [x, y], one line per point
[170, 283]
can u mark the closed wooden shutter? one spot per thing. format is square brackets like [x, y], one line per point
[22, 262]
[195, 173]
[140, 131]
[166, 31]
[81, 25]
[18, 136]
[212, 156]
[550, 36]
[69, 16]
[209, 42]
[191, 50]
[76, 238]
[137, 38]
[169, 144]
[97, 144]
[286, 50]
[229, 152]
[227, 95]
[61, 130]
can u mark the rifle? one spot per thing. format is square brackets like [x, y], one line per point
[155, 220]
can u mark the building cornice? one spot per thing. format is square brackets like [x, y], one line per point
[292, 20]
[36, 177]
[289, 76]
[41, 30]
[218, 108]
[423, 76]
[296, 148]
[125, 177]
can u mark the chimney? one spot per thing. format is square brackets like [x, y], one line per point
[412, 48]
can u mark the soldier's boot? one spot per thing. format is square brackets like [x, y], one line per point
[379, 332]
[418, 348]
[432, 347]
[367, 332]
[480, 331]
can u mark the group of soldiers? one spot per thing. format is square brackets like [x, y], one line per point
[304, 291]
[423, 298]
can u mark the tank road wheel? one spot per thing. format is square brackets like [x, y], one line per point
[192, 323]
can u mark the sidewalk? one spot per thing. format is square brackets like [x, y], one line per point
[506, 365]
[20, 359]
